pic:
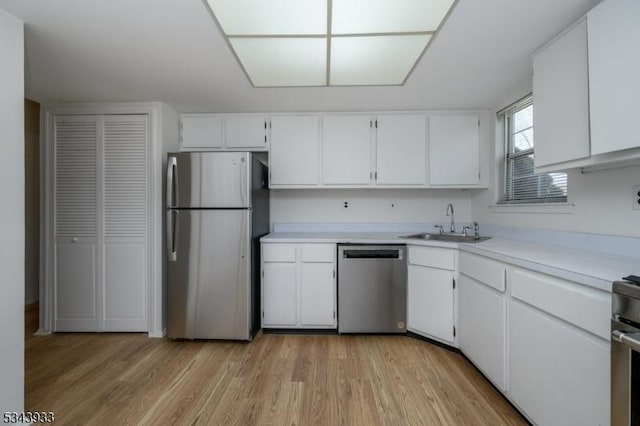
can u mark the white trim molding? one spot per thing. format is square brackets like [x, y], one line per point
[539, 208]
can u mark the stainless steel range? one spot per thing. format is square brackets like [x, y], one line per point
[625, 354]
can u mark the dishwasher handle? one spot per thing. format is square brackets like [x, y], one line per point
[372, 254]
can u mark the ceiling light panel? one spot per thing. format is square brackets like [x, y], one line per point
[283, 61]
[271, 17]
[387, 16]
[374, 60]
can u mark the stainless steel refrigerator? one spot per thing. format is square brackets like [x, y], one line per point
[218, 208]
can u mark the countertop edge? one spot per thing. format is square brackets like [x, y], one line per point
[392, 238]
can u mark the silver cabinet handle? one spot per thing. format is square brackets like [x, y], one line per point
[629, 339]
[172, 175]
[172, 254]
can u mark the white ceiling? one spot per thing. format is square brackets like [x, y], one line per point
[171, 51]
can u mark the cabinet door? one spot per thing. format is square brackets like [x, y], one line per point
[430, 302]
[561, 106]
[246, 132]
[294, 150]
[317, 295]
[454, 150]
[557, 375]
[481, 328]
[614, 67]
[346, 150]
[201, 131]
[279, 295]
[401, 157]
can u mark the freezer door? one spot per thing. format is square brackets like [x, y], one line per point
[209, 180]
[209, 284]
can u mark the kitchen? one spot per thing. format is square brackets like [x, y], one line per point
[347, 165]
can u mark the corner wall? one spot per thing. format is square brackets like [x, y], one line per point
[12, 214]
[603, 202]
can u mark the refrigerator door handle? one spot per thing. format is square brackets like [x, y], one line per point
[172, 182]
[172, 216]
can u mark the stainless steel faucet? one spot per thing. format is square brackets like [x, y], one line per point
[450, 213]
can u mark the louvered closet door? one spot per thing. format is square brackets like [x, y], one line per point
[126, 222]
[76, 285]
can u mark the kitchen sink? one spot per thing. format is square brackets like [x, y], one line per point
[452, 238]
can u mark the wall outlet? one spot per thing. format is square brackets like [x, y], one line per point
[636, 197]
[393, 205]
[345, 205]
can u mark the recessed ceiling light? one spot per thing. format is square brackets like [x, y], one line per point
[328, 42]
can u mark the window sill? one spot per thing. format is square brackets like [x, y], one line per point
[536, 208]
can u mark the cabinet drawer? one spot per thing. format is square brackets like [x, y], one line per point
[487, 271]
[585, 307]
[278, 253]
[318, 252]
[432, 257]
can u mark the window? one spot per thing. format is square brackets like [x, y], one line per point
[521, 183]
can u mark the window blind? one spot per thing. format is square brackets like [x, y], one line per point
[522, 184]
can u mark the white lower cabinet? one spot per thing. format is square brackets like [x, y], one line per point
[557, 375]
[481, 328]
[430, 293]
[279, 294]
[299, 285]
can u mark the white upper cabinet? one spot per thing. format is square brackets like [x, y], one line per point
[201, 131]
[454, 149]
[614, 67]
[294, 150]
[216, 132]
[401, 157]
[585, 86]
[561, 98]
[346, 150]
[244, 132]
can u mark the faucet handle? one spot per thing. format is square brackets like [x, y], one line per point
[465, 229]
[440, 227]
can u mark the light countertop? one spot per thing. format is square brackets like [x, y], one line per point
[592, 269]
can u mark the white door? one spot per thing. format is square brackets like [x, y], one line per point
[557, 375]
[561, 106]
[279, 295]
[614, 66]
[294, 150]
[401, 144]
[430, 302]
[77, 284]
[126, 222]
[346, 149]
[454, 150]
[201, 131]
[317, 295]
[481, 328]
[246, 132]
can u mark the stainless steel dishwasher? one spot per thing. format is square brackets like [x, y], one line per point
[372, 289]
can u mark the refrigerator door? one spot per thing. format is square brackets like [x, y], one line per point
[209, 180]
[209, 281]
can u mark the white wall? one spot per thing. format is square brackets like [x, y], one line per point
[12, 213]
[369, 205]
[603, 202]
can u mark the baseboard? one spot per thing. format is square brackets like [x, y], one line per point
[434, 342]
[42, 332]
[321, 331]
[158, 334]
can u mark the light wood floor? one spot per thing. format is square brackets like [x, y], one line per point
[125, 378]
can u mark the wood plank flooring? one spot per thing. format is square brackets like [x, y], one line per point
[130, 379]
